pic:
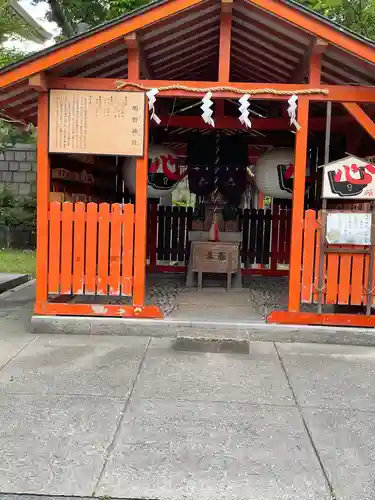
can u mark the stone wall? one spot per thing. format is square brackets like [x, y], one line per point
[18, 169]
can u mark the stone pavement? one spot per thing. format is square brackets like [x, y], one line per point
[154, 418]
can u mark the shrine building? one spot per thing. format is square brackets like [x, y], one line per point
[200, 157]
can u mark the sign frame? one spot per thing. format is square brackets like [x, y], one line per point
[143, 112]
[355, 169]
[356, 215]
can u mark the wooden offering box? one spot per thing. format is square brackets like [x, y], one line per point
[214, 257]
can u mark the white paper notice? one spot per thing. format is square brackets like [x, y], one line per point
[349, 228]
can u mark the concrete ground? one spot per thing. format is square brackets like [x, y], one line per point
[154, 418]
[160, 418]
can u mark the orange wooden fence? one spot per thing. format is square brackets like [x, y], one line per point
[90, 249]
[345, 275]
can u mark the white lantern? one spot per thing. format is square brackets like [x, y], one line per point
[274, 173]
[163, 172]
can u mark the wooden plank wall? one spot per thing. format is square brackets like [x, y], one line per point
[266, 235]
[345, 275]
[90, 249]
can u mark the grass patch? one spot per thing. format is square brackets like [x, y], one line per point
[17, 261]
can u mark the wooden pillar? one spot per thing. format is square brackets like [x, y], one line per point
[43, 189]
[139, 292]
[225, 40]
[298, 206]
[260, 200]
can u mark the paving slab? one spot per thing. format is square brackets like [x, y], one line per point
[345, 440]
[11, 280]
[54, 445]
[330, 376]
[256, 377]
[212, 451]
[10, 346]
[105, 366]
[16, 309]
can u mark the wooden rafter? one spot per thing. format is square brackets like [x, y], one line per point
[362, 118]
[96, 39]
[164, 10]
[342, 93]
[316, 27]
[315, 66]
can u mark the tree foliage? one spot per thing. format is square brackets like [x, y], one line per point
[357, 15]
[69, 13]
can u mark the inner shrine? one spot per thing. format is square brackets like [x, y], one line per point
[204, 150]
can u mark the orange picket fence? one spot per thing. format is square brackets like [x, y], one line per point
[345, 275]
[90, 249]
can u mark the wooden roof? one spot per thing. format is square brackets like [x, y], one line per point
[180, 41]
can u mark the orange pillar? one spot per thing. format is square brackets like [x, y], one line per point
[260, 200]
[43, 189]
[298, 206]
[141, 222]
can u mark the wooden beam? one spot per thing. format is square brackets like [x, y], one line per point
[340, 93]
[100, 37]
[362, 118]
[227, 6]
[225, 39]
[43, 189]
[298, 206]
[131, 40]
[311, 63]
[39, 82]
[316, 124]
[133, 43]
[319, 28]
[134, 66]
[315, 66]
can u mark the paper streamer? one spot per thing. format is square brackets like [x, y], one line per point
[244, 110]
[206, 108]
[151, 104]
[292, 111]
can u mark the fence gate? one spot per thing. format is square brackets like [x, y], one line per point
[91, 260]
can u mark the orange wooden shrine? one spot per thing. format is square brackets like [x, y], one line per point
[270, 49]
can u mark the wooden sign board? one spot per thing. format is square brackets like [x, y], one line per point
[349, 178]
[96, 122]
[349, 228]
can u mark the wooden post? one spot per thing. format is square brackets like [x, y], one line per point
[225, 40]
[298, 206]
[141, 221]
[134, 59]
[43, 189]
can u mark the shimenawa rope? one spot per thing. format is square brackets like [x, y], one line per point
[120, 84]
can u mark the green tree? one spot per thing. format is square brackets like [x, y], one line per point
[357, 15]
[69, 13]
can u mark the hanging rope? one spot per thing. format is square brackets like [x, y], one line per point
[121, 84]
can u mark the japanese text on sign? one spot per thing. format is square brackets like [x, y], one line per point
[349, 228]
[93, 122]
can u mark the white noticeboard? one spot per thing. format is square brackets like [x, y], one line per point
[348, 228]
[97, 122]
